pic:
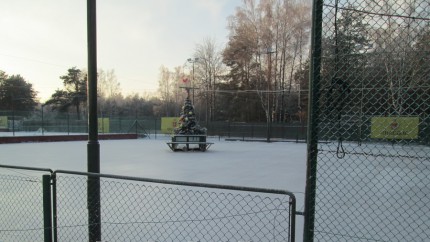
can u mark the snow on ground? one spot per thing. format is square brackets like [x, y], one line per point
[277, 165]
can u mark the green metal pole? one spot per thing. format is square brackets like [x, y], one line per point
[313, 114]
[43, 133]
[47, 215]
[68, 124]
[155, 129]
[13, 120]
[54, 206]
[135, 122]
[93, 147]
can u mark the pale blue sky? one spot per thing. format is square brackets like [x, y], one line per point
[41, 39]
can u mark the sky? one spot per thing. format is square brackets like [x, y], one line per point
[42, 39]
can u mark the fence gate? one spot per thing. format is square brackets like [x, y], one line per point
[140, 209]
[369, 141]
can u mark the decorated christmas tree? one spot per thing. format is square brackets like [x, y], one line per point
[187, 122]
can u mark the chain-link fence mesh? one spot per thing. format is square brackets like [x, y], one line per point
[135, 210]
[21, 206]
[51, 123]
[138, 209]
[369, 170]
[258, 131]
[48, 122]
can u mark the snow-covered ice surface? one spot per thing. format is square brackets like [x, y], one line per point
[381, 194]
[277, 165]
[377, 192]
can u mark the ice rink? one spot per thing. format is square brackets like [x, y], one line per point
[277, 165]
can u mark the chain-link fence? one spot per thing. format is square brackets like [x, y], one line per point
[48, 122]
[259, 131]
[137, 209]
[21, 202]
[134, 209]
[369, 151]
[22, 123]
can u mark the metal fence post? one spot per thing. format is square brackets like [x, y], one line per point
[252, 131]
[136, 123]
[93, 147]
[120, 124]
[293, 218]
[43, 132]
[68, 124]
[47, 215]
[312, 149]
[54, 206]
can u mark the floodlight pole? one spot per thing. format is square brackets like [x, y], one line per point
[269, 77]
[93, 146]
[191, 60]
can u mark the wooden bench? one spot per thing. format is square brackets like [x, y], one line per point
[189, 142]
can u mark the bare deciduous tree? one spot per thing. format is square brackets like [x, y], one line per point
[268, 39]
[209, 66]
[109, 92]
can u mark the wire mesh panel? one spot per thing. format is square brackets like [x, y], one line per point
[136, 210]
[370, 131]
[21, 207]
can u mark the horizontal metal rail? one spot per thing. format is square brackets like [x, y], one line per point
[181, 183]
[27, 168]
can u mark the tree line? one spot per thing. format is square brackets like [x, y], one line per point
[262, 73]
[17, 94]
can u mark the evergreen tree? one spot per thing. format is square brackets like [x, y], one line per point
[16, 93]
[74, 93]
[187, 121]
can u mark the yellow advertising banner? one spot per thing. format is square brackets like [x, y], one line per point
[168, 124]
[103, 125]
[395, 127]
[3, 122]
